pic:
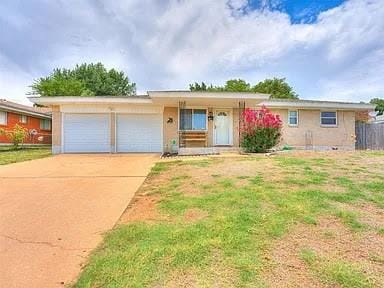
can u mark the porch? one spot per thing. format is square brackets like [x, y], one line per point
[208, 130]
[207, 150]
[203, 123]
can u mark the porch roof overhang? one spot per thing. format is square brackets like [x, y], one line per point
[206, 99]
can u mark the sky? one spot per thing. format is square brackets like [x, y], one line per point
[326, 49]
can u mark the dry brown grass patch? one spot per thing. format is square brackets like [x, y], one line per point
[368, 213]
[329, 239]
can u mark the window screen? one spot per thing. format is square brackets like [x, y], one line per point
[328, 118]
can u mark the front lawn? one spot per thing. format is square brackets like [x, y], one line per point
[9, 155]
[299, 219]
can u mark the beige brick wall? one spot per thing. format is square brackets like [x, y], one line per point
[170, 130]
[341, 136]
[56, 130]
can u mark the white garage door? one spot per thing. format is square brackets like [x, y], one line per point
[86, 133]
[139, 133]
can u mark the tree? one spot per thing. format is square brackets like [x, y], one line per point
[379, 102]
[198, 87]
[237, 85]
[277, 87]
[84, 80]
[232, 85]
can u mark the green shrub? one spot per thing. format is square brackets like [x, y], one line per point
[17, 135]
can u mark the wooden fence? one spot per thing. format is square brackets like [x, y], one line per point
[369, 136]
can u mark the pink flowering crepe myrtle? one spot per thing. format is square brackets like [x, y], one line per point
[257, 119]
[260, 130]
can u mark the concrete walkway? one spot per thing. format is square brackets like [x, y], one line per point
[54, 211]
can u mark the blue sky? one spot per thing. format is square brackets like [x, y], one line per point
[299, 11]
[328, 49]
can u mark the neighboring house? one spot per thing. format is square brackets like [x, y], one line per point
[36, 120]
[191, 122]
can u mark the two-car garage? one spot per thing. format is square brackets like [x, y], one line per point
[112, 132]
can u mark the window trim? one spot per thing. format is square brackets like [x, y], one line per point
[21, 116]
[50, 124]
[194, 130]
[328, 125]
[6, 119]
[297, 117]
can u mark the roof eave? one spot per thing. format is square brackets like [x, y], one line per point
[325, 105]
[26, 112]
[207, 94]
[60, 100]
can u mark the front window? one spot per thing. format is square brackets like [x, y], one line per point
[45, 124]
[23, 119]
[293, 118]
[193, 119]
[3, 118]
[328, 118]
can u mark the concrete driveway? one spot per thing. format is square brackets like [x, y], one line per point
[54, 211]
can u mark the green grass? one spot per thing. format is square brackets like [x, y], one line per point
[350, 219]
[345, 274]
[24, 154]
[243, 220]
[308, 255]
[340, 272]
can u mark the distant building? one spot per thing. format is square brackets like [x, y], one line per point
[36, 120]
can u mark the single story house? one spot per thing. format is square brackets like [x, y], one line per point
[36, 120]
[191, 122]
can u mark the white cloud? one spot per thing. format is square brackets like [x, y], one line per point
[168, 44]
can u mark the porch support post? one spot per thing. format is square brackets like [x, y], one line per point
[181, 106]
[241, 111]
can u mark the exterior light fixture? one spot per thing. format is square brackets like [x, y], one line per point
[210, 116]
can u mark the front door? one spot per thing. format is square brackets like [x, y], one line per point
[223, 127]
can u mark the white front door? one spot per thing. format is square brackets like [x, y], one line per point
[223, 127]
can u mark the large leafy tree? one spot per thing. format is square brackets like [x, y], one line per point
[379, 102]
[84, 80]
[237, 85]
[277, 87]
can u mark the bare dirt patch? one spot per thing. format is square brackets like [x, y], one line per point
[329, 239]
[142, 209]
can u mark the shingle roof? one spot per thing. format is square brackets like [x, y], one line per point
[38, 111]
